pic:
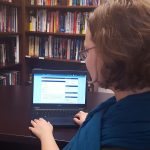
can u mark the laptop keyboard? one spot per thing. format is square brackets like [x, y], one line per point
[55, 113]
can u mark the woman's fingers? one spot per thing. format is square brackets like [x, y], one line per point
[36, 121]
[34, 124]
[78, 114]
[76, 120]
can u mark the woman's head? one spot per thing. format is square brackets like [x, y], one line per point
[120, 31]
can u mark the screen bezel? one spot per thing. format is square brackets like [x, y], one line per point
[58, 106]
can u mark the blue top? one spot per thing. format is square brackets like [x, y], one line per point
[125, 124]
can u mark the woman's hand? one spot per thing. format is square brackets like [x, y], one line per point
[42, 129]
[80, 117]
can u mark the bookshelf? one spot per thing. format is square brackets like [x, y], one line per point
[54, 33]
[10, 64]
[43, 35]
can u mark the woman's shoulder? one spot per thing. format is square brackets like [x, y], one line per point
[109, 102]
[100, 108]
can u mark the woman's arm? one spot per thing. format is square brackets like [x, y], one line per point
[49, 144]
[44, 131]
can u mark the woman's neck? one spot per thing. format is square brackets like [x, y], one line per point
[121, 94]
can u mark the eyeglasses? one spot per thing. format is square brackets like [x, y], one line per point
[83, 53]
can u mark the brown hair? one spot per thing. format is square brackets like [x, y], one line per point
[121, 32]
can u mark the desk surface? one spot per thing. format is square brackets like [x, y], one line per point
[15, 108]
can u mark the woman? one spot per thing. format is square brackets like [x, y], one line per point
[117, 56]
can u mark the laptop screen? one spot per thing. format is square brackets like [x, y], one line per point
[59, 88]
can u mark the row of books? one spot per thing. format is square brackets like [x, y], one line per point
[65, 2]
[9, 50]
[10, 78]
[55, 47]
[8, 19]
[66, 22]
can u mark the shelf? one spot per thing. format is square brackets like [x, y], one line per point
[81, 8]
[9, 66]
[9, 4]
[56, 34]
[9, 33]
[27, 57]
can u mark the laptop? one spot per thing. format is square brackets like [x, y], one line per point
[58, 95]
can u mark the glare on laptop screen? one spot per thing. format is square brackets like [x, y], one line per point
[59, 89]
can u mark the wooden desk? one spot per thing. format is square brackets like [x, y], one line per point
[15, 110]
